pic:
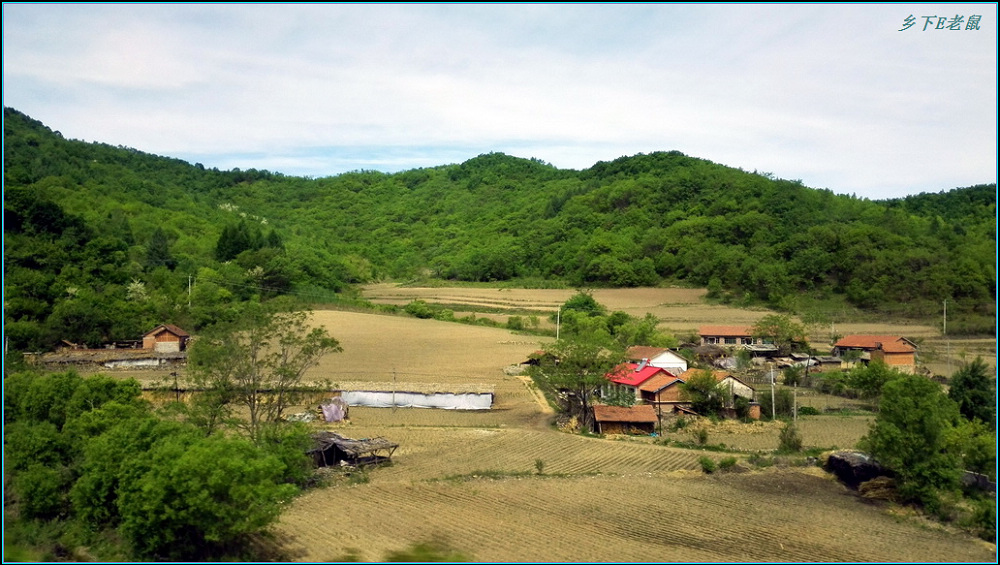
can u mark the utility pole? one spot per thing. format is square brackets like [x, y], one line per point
[944, 332]
[558, 314]
[189, 292]
[773, 399]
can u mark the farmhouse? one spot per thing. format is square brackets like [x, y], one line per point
[663, 392]
[629, 376]
[657, 357]
[165, 338]
[638, 419]
[895, 351]
[727, 335]
[734, 386]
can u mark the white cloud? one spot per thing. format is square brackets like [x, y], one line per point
[830, 94]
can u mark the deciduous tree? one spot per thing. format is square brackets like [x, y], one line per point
[779, 330]
[258, 362]
[911, 434]
[575, 375]
[974, 389]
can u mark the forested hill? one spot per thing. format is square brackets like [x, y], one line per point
[101, 242]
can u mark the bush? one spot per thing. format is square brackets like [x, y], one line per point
[808, 411]
[426, 552]
[783, 402]
[701, 436]
[707, 465]
[515, 323]
[727, 463]
[742, 407]
[983, 520]
[419, 309]
[42, 491]
[789, 440]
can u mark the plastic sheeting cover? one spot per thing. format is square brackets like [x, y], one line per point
[448, 401]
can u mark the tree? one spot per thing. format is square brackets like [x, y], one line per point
[576, 374]
[870, 380]
[258, 362]
[974, 390]
[158, 251]
[706, 394]
[911, 435]
[584, 302]
[779, 330]
[190, 495]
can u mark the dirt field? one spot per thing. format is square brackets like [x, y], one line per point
[671, 516]
[617, 499]
[599, 499]
[678, 309]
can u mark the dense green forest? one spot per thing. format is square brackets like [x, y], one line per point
[103, 242]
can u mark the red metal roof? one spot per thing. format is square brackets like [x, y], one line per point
[889, 343]
[626, 374]
[724, 331]
[640, 413]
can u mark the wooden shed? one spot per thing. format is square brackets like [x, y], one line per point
[638, 419]
[331, 448]
[166, 338]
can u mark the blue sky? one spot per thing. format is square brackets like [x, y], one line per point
[833, 95]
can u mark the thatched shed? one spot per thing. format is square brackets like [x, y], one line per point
[331, 448]
[638, 419]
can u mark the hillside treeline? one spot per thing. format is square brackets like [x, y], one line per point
[105, 242]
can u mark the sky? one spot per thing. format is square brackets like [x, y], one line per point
[880, 101]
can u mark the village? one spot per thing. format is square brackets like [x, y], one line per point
[651, 380]
[443, 419]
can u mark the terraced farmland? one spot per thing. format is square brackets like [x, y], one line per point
[471, 478]
[675, 516]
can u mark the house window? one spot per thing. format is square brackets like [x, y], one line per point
[730, 341]
[710, 340]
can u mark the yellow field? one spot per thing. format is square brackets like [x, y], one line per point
[599, 499]
[614, 499]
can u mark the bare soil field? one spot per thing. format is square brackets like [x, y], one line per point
[659, 516]
[679, 309]
[470, 477]
[825, 432]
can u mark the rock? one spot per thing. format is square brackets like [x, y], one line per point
[854, 467]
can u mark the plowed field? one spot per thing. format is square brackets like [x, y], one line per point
[470, 478]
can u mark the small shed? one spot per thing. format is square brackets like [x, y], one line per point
[166, 338]
[331, 448]
[638, 419]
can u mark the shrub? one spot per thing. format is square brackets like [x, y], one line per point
[789, 440]
[678, 424]
[515, 323]
[701, 436]
[727, 463]
[783, 402]
[426, 552]
[808, 411]
[419, 309]
[707, 465]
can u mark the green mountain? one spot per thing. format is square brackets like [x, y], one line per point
[104, 242]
